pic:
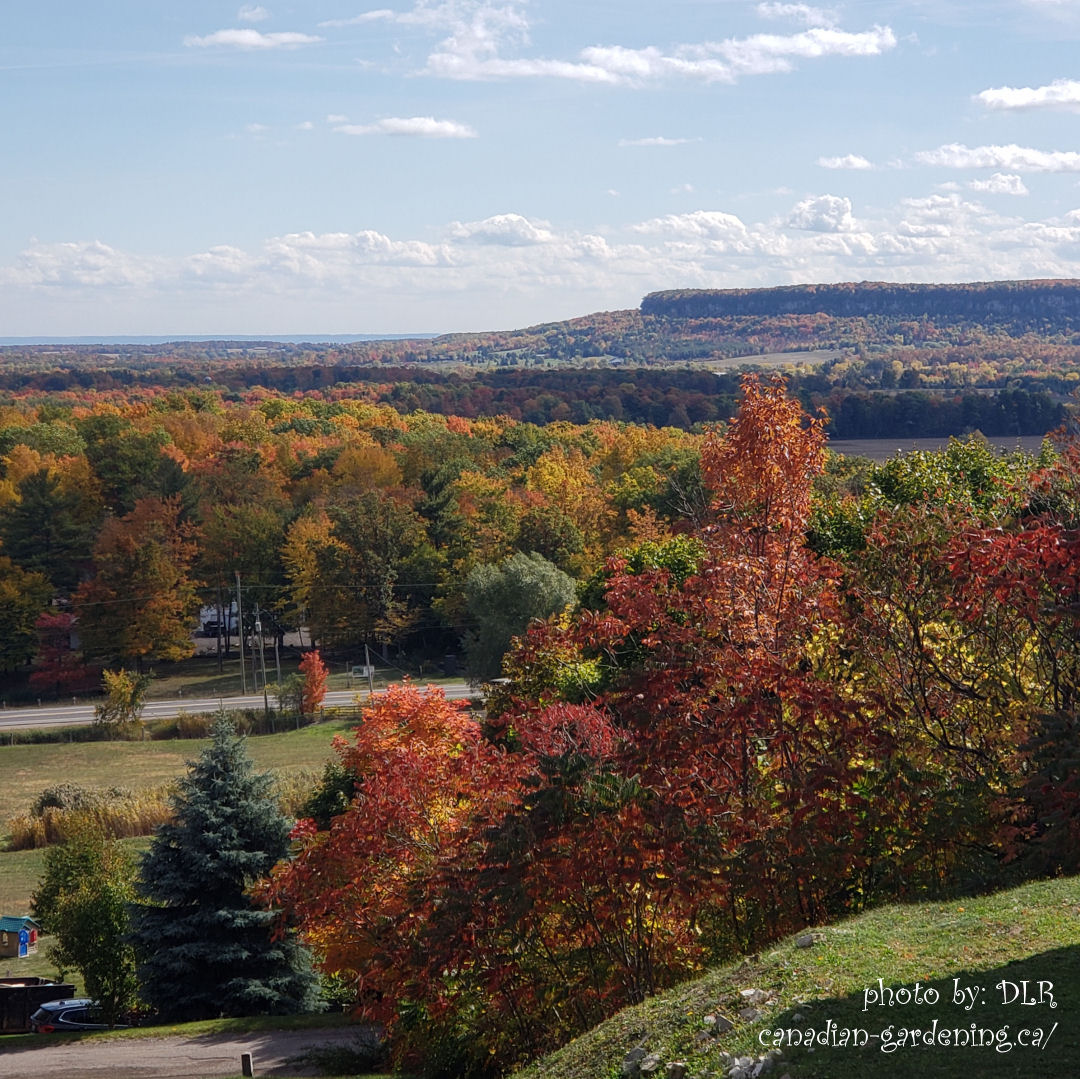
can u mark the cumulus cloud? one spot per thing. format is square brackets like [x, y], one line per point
[80, 264]
[253, 13]
[247, 38]
[510, 269]
[1060, 94]
[822, 213]
[656, 140]
[717, 229]
[848, 161]
[1011, 158]
[416, 126]
[506, 230]
[1001, 183]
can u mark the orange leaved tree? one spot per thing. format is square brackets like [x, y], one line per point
[314, 688]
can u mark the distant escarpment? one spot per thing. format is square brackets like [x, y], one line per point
[1013, 306]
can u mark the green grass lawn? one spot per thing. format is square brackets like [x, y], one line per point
[1027, 934]
[26, 770]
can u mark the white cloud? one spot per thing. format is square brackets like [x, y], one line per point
[1011, 158]
[822, 213]
[764, 53]
[804, 13]
[337, 118]
[251, 39]
[1060, 94]
[379, 15]
[481, 33]
[848, 161]
[80, 264]
[511, 270]
[253, 13]
[305, 125]
[656, 140]
[1001, 183]
[480, 36]
[724, 61]
[421, 126]
[717, 229]
[505, 230]
[256, 129]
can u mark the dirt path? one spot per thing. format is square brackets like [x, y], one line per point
[171, 1057]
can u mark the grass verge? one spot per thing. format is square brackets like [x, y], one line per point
[992, 944]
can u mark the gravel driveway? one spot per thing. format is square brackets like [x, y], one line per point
[170, 1057]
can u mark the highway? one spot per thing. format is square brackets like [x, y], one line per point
[74, 715]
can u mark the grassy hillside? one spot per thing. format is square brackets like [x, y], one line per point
[992, 944]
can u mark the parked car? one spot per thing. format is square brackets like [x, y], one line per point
[59, 1016]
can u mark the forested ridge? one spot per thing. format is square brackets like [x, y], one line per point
[1016, 306]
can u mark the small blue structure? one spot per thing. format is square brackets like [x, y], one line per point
[18, 937]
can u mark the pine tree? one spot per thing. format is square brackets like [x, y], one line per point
[204, 948]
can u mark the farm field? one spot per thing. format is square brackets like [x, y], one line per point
[771, 359]
[26, 770]
[881, 449]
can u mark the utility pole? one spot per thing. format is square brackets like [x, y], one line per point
[240, 633]
[220, 616]
[262, 656]
[370, 673]
[277, 664]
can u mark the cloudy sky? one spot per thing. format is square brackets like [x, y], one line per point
[326, 166]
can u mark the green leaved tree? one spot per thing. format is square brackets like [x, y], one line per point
[82, 902]
[503, 599]
[204, 947]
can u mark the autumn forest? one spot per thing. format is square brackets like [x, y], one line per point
[738, 684]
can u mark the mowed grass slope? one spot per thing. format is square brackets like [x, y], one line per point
[1028, 934]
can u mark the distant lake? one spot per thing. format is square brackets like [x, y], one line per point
[881, 449]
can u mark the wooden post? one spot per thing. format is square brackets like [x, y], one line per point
[246, 1068]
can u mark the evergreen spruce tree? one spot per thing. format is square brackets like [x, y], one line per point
[204, 948]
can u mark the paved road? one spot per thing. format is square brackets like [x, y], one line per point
[60, 715]
[171, 1057]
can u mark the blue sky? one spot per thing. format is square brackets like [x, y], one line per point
[449, 165]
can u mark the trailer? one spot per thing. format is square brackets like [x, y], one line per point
[21, 997]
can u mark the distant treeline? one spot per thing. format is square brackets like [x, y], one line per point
[666, 397]
[919, 414]
[679, 398]
[1019, 306]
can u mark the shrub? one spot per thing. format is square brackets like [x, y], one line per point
[60, 813]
